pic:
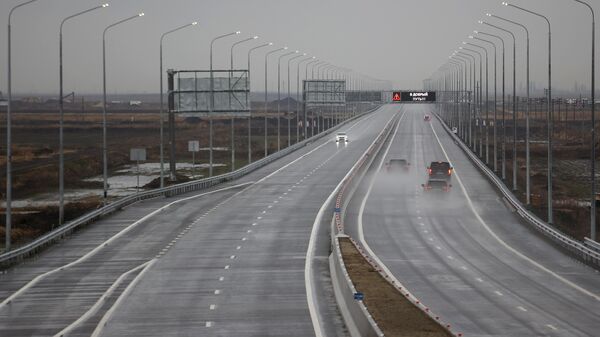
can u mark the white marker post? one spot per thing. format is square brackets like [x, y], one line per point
[193, 147]
[137, 155]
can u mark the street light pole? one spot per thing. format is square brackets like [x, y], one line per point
[313, 62]
[104, 142]
[266, 98]
[212, 102]
[162, 108]
[232, 117]
[61, 152]
[527, 150]
[487, 109]
[279, 96]
[298, 98]
[478, 115]
[550, 110]
[473, 74]
[495, 98]
[288, 101]
[248, 102]
[514, 109]
[320, 120]
[464, 89]
[8, 224]
[593, 151]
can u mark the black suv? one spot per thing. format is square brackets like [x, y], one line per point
[439, 170]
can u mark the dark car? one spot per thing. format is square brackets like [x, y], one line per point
[440, 170]
[394, 165]
[437, 185]
[427, 118]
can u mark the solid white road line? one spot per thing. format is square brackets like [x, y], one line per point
[99, 302]
[502, 242]
[123, 295]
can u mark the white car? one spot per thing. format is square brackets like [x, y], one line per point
[341, 137]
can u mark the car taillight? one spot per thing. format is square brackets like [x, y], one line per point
[449, 171]
[429, 171]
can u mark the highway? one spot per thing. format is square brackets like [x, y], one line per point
[231, 261]
[465, 254]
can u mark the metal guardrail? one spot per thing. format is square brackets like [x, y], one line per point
[592, 244]
[577, 247]
[19, 253]
[356, 315]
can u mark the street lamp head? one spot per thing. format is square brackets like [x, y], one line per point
[255, 37]
[296, 51]
[480, 22]
[105, 5]
[464, 42]
[488, 14]
[461, 48]
[238, 32]
[476, 31]
[141, 14]
[285, 48]
[194, 23]
[314, 57]
[505, 3]
[303, 54]
[270, 43]
[470, 36]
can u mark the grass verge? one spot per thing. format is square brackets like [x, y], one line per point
[395, 315]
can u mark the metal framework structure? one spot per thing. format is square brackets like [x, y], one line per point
[191, 93]
[317, 93]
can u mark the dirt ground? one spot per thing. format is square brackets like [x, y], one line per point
[36, 152]
[571, 153]
[395, 315]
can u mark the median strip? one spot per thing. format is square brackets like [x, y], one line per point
[394, 313]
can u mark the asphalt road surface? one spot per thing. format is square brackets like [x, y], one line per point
[228, 263]
[465, 254]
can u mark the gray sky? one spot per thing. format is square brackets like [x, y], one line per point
[398, 40]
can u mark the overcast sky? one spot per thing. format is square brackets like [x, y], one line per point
[398, 40]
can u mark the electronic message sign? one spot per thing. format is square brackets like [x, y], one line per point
[413, 96]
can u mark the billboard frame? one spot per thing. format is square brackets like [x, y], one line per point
[239, 96]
